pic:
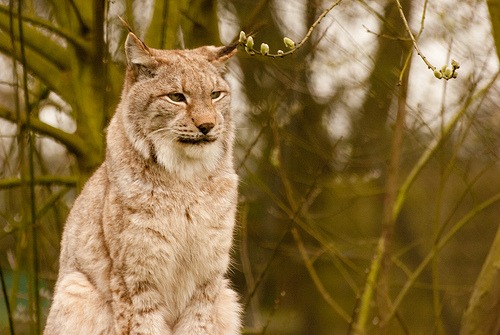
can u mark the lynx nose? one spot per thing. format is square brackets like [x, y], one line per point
[205, 127]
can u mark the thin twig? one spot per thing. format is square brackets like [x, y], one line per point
[402, 195]
[34, 282]
[389, 37]
[285, 180]
[7, 304]
[435, 145]
[435, 250]
[277, 302]
[293, 217]
[15, 277]
[436, 294]
[315, 278]
[250, 147]
[410, 54]
[422, 20]
[245, 261]
[302, 41]
[415, 45]
[379, 262]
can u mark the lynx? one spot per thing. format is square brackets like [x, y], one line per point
[146, 246]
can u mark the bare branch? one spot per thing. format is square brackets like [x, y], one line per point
[39, 66]
[494, 10]
[51, 27]
[292, 46]
[415, 45]
[436, 249]
[434, 146]
[316, 279]
[389, 37]
[72, 142]
[445, 72]
[36, 40]
[71, 181]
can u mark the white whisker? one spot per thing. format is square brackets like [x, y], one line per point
[160, 130]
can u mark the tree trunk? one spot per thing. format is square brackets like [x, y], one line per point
[482, 316]
[371, 139]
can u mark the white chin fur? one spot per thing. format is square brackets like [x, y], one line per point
[184, 160]
[187, 160]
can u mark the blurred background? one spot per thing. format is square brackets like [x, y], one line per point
[370, 189]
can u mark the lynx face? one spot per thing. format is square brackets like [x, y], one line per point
[178, 106]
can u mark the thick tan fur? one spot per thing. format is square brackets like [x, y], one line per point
[146, 246]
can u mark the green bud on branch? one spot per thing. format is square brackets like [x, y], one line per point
[264, 49]
[243, 37]
[447, 72]
[249, 44]
[289, 43]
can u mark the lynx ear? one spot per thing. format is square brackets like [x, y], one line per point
[217, 54]
[137, 52]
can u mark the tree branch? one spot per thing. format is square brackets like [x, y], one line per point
[51, 27]
[445, 72]
[71, 181]
[494, 9]
[481, 316]
[435, 250]
[434, 146]
[40, 67]
[72, 142]
[408, 30]
[297, 46]
[316, 279]
[37, 41]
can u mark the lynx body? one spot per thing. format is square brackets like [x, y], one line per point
[146, 246]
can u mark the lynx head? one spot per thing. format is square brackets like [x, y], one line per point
[176, 106]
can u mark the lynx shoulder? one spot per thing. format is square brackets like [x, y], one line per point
[146, 246]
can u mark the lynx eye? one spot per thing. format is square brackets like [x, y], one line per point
[216, 95]
[176, 97]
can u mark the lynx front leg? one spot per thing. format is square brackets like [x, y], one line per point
[145, 303]
[136, 306]
[213, 309]
[79, 309]
[122, 309]
[148, 317]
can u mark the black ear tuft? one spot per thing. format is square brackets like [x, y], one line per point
[226, 52]
[125, 24]
[217, 54]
